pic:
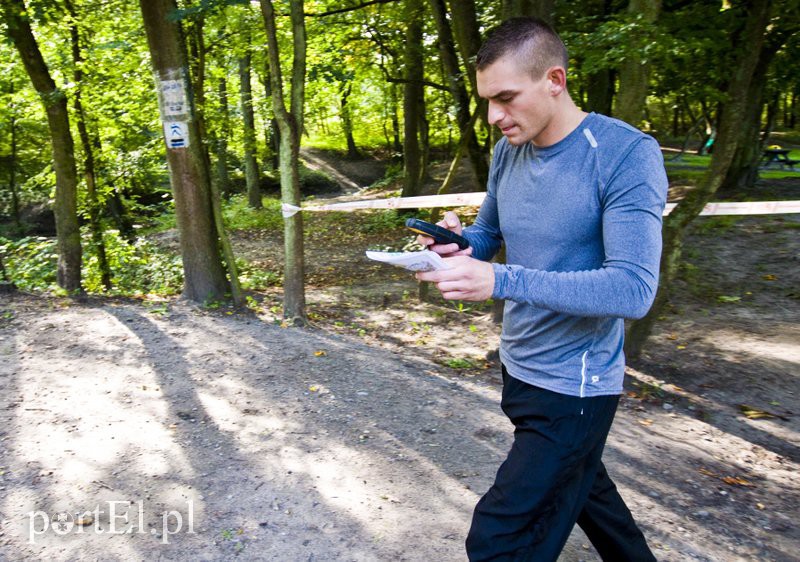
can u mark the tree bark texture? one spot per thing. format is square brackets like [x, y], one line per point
[634, 74]
[204, 275]
[249, 123]
[12, 165]
[743, 172]
[347, 118]
[543, 9]
[290, 124]
[467, 34]
[459, 91]
[55, 105]
[88, 153]
[413, 100]
[675, 225]
[221, 143]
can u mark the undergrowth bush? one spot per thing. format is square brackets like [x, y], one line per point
[137, 268]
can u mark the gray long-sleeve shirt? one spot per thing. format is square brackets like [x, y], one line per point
[581, 221]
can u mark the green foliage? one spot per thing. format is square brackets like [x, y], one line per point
[382, 221]
[460, 363]
[239, 216]
[31, 262]
[256, 278]
[139, 267]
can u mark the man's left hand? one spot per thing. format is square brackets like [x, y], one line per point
[467, 279]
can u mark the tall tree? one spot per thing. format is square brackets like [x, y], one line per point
[290, 124]
[459, 91]
[751, 43]
[89, 175]
[413, 100]
[634, 73]
[55, 105]
[249, 130]
[540, 8]
[204, 275]
[12, 160]
[743, 172]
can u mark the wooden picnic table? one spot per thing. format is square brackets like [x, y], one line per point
[777, 157]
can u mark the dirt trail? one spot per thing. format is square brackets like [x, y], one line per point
[208, 435]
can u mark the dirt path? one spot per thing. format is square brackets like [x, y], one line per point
[207, 435]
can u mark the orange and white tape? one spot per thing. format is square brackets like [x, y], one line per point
[475, 200]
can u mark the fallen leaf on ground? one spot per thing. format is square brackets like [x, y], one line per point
[756, 414]
[736, 481]
[320, 353]
[647, 422]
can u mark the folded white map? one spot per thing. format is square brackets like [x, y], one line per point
[424, 260]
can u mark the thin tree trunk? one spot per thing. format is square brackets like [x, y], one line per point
[634, 76]
[347, 119]
[413, 99]
[248, 118]
[88, 154]
[290, 123]
[459, 91]
[221, 144]
[204, 275]
[55, 104]
[743, 172]
[688, 209]
[12, 170]
[467, 34]
[540, 8]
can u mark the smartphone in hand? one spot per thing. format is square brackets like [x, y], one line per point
[439, 234]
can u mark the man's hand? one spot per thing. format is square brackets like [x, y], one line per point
[450, 222]
[467, 280]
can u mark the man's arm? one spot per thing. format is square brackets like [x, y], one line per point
[626, 283]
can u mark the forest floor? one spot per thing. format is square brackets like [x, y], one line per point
[205, 433]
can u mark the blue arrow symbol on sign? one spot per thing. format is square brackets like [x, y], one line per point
[175, 130]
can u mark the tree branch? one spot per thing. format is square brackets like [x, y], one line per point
[423, 82]
[351, 8]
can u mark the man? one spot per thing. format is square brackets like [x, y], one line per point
[577, 199]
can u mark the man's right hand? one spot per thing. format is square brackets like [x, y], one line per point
[452, 223]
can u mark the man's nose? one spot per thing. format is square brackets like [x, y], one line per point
[495, 114]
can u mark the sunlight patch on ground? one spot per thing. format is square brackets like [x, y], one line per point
[787, 350]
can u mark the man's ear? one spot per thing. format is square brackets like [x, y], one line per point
[556, 80]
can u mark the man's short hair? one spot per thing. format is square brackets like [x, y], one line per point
[531, 41]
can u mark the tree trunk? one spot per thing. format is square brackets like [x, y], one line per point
[250, 164]
[543, 9]
[290, 123]
[12, 168]
[221, 144]
[467, 34]
[413, 99]
[396, 144]
[600, 91]
[634, 75]
[204, 275]
[743, 172]
[55, 103]
[688, 209]
[458, 89]
[88, 153]
[347, 119]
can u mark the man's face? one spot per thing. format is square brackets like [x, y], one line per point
[520, 106]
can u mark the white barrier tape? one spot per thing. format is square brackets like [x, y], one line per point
[475, 200]
[424, 201]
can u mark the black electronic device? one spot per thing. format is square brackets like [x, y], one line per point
[439, 234]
